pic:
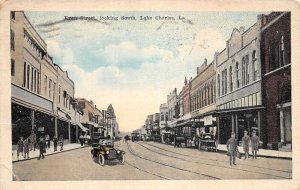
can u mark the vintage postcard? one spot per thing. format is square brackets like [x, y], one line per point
[124, 93]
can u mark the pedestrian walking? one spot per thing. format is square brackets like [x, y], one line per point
[232, 148]
[254, 144]
[20, 145]
[246, 144]
[47, 138]
[81, 139]
[42, 146]
[61, 142]
[26, 148]
[55, 140]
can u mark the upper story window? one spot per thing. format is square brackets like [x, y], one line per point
[237, 75]
[254, 66]
[59, 94]
[218, 85]
[230, 79]
[243, 71]
[13, 15]
[12, 65]
[162, 116]
[247, 75]
[281, 52]
[12, 40]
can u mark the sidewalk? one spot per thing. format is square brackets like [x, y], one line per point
[35, 154]
[261, 152]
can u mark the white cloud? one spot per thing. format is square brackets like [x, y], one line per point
[53, 47]
[127, 52]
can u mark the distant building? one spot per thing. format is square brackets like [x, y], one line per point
[203, 97]
[172, 102]
[164, 115]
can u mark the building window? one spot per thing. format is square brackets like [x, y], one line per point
[167, 117]
[28, 75]
[54, 90]
[12, 40]
[50, 88]
[34, 85]
[230, 79]
[59, 94]
[12, 67]
[13, 15]
[247, 69]
[38, 82]
[281, 52]
[237, 75]
[243, 71]
[225, 80]
[162, 116]
[32, 79]
[24, 75]
[254, 65]
[45, 85]
[218, 84]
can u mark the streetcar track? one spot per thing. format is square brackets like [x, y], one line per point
[197, 162]
[174, 167]
[138, 168]
[205, 158]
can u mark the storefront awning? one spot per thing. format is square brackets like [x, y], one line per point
[93, 124]
[83, 128]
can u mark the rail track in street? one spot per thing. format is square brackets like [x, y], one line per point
[214, 165]
[206, 158]
[167, 165]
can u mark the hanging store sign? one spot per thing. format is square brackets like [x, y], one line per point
[208, 120]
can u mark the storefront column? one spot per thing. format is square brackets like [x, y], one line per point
[258, 124]
[76, 133]
[69, 126]
[32, 119]
[281, 126]
[236, 125]
[218, 128]
[55, 126]
[232, 123]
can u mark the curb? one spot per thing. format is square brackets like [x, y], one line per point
[49, 154]
[263, 156]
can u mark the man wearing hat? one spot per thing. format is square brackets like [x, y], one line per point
[246, 143]
[254, 144]
[232, 148]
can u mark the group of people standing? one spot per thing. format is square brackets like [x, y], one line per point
[247, 141]
[25, 146]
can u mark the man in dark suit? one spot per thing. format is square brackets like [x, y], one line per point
[232, 148]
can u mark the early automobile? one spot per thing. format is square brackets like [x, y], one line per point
[207, 142]
[104, 150]
[136, 137]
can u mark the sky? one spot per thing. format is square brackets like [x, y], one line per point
[134, 64]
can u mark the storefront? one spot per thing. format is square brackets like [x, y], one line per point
[238, 121]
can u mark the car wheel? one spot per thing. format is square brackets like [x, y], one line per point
[101, 159]
[122, 159]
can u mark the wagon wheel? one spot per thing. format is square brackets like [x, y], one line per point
[122, 159]
[101, 159]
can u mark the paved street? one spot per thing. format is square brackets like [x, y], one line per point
[150, 160]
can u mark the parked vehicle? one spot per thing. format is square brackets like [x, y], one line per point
[136, 137]
[104, 151]
[207, 142]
